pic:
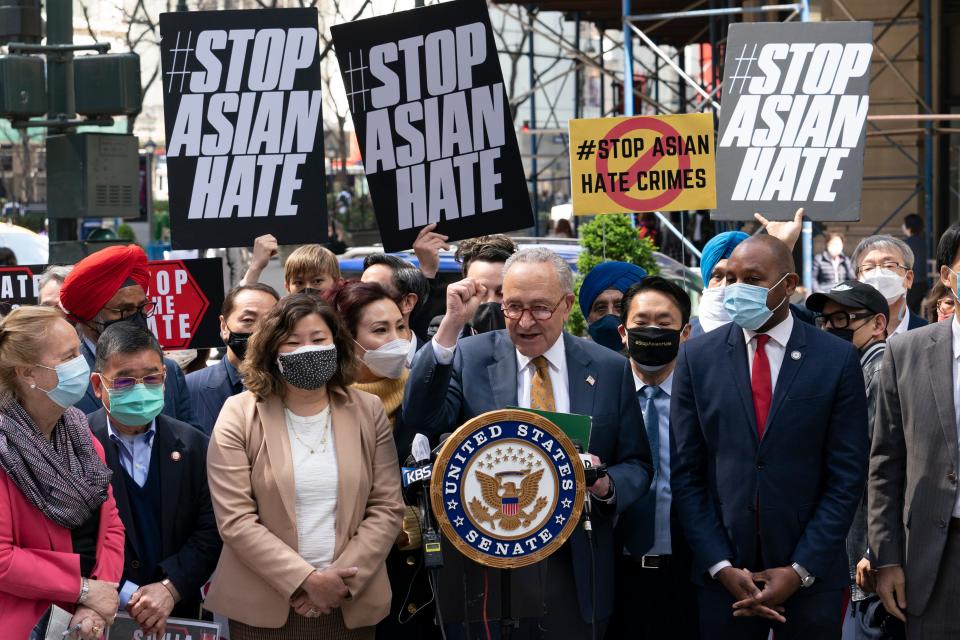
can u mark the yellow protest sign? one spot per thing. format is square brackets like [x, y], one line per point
[642, 163]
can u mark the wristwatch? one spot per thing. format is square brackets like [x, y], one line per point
[806, 578]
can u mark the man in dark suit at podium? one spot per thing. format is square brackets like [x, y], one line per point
[769, 420]
[534, 364]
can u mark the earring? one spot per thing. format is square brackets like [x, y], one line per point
[33, 386]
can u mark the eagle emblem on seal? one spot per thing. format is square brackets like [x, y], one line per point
[507, 500]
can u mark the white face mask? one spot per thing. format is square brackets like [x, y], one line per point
[888, 283]
[712, 313]
[388, 360]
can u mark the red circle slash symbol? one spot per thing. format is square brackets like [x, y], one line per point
[646, 162]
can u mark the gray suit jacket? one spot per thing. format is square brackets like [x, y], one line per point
[912, 484]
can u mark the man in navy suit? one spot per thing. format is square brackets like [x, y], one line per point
[159, 480]
[210, 387]
[455, 380]
[770, 454]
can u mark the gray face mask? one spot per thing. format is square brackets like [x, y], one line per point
[310, 367]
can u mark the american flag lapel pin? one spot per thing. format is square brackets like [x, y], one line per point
[591, 381]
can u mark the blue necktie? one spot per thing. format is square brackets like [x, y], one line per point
[651, 419]
[642, 539]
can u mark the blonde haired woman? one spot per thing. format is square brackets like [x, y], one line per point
[305, 485]
[61, 540]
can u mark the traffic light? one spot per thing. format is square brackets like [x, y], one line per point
[107, 85]
[23, 89]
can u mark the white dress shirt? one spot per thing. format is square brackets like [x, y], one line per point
[776, 349]
[557, 358]
[955, 326]
[904, 323]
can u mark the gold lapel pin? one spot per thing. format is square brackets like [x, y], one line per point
[175, 456]
[591, 381]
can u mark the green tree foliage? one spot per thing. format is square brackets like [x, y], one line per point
[609, 237]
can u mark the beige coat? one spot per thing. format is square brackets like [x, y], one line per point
[254, 498]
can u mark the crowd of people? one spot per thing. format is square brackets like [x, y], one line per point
[771, 465]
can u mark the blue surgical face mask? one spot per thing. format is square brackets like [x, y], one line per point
[137, 406]
[747, 304]
[605, 331]
[73, 377]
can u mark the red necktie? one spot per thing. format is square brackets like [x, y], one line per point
[762, 387]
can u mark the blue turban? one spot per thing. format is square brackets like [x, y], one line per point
[719, 248]
[608, 275]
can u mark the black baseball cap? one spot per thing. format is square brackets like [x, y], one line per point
[852, 294]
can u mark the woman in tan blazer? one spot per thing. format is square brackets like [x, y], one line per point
[305, 485]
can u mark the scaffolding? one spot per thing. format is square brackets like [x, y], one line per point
[902, 128]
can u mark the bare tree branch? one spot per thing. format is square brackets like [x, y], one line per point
[86, 18]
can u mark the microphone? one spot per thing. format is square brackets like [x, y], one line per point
[592, 473]
[432, 552]
[416, 471]
[420, 448]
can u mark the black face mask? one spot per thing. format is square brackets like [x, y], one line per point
[653, 348]
[238, 343]
[488, 317]
[137, 318]
[843, 334]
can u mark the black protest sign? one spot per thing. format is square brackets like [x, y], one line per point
[186, 294]
[793, 122]
[242, 108]
[433, 122]
[19, 286]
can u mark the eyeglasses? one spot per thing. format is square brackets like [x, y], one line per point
[125, 383]
[146, 309]
[840, 319]
[890, 265]
[539, 312]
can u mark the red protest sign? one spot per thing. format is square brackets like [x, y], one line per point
[179, 303]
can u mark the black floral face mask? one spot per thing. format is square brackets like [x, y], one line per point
[310, 367]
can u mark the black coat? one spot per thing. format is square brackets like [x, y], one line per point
[190, 541]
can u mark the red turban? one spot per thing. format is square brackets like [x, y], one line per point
[98, 277]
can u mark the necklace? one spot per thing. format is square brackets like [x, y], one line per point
[324, 433]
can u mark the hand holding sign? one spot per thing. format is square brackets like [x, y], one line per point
[427, 249]
[264, 248]
[787, 231]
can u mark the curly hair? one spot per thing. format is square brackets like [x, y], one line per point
[493, 248]
[259, 369]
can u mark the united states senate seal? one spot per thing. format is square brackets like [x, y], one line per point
[507, 488]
